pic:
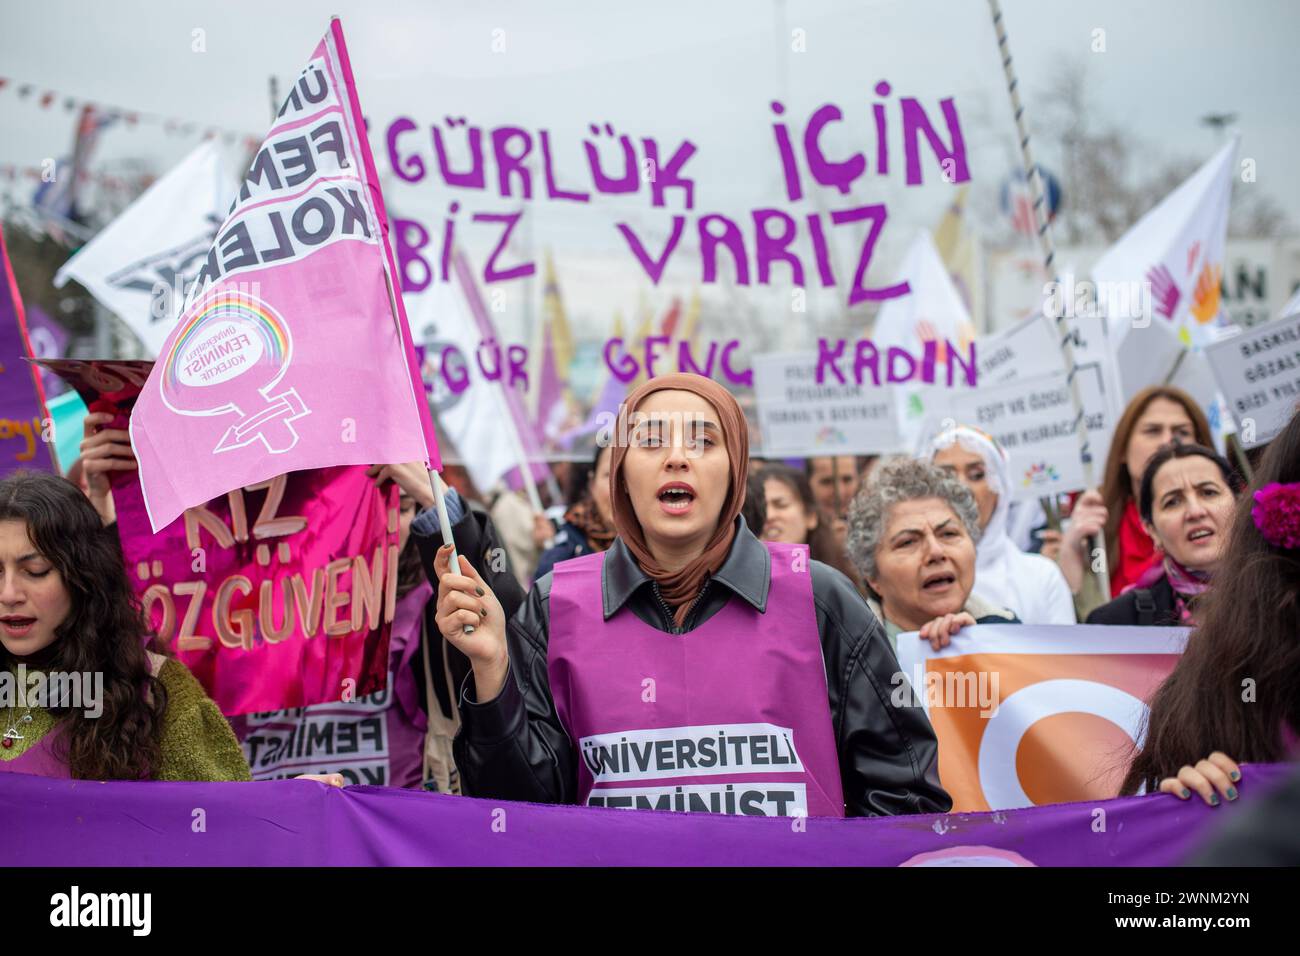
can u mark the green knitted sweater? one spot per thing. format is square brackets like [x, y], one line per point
[197, 742]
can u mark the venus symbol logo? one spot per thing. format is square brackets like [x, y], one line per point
[227, 358]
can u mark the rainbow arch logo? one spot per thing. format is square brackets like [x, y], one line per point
[227, 358]
[1040, 473]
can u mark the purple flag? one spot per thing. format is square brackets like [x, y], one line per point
[303, 823]
[49, 340]
[23, 439]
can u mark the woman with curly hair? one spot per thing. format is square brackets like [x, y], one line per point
[67, 609]
[913, 530]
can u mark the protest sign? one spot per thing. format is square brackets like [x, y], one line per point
[1258, 372]
[292, 350]
[788, 208]
[1033, 420]
[25, 434]
[798, 417]
[297, 823]
[1030, 348]
[1034, 714]
[278, 594]
[375, 739]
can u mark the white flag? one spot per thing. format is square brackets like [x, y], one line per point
[1292, 307]
[470, 410]
[932, 311]
[142, 263]
[1178, 249]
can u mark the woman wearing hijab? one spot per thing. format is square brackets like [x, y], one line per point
[1030, 585]
[690, 666]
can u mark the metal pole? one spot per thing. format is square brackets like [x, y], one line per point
[1049, 262]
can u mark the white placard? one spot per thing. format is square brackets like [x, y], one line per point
[1258, 372]
[1033, 419]
[800, 418]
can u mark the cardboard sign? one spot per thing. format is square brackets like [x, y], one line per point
[800, 418]
[1258, 372]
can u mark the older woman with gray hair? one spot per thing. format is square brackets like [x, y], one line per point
[912, 532]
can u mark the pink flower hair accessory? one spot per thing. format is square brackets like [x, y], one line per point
[1277, 514]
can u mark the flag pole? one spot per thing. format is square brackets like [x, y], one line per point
[444, 520]
[470, 290]
[1048, 248]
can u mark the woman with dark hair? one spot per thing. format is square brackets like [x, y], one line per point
[1155, 416]
[588, 524]
[1236, 688]
[690, 666]
[1186, 500]
[67, 609]
[793, 516]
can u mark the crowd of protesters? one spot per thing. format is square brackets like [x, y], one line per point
[679, 556]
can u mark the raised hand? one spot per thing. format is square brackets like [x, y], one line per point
[471, 618]
[104, 450]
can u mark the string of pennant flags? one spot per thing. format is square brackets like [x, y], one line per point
[171, 125]
[129, 184]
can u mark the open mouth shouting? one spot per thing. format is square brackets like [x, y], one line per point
[939, 582]
[16, 625]
[1198, 535]
[676, 498]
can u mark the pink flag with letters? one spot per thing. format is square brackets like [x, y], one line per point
[293, 349]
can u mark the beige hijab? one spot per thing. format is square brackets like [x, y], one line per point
[679, 588]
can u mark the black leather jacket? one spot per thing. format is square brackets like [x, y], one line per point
[515, 748]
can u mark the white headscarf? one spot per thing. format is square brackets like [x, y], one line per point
[1029, 584]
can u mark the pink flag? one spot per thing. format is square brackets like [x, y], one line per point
[293, 350]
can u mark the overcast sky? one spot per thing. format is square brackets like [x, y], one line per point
[670, 69]
[1167, 62]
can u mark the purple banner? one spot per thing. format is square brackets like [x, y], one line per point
[49, 340]
[25, 438]
[303, 823]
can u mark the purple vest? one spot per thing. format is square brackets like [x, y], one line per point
[732, 717]
[38, 760]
